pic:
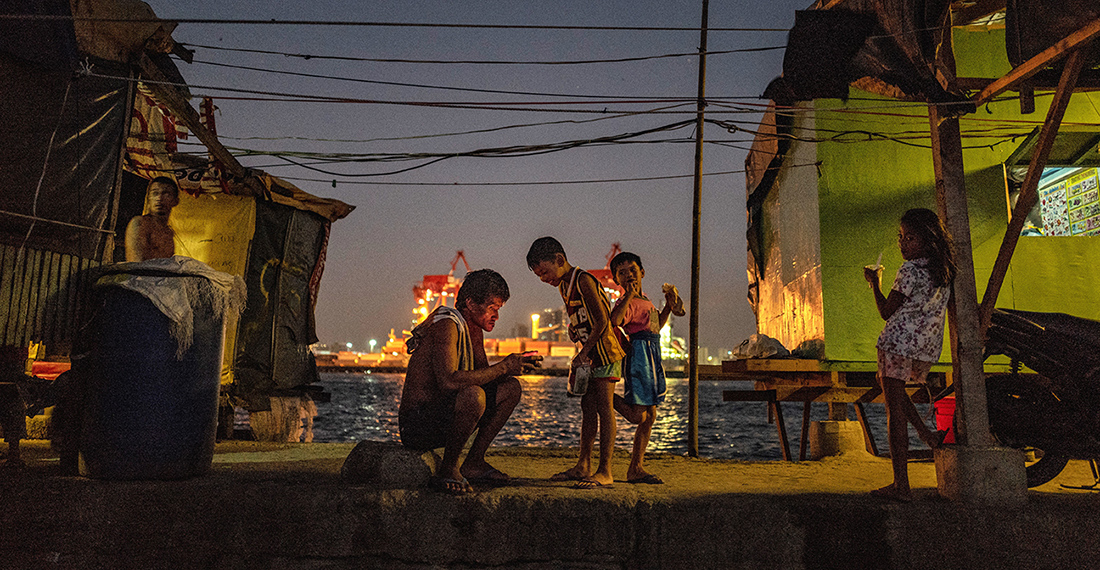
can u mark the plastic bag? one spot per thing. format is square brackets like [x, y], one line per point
[760, 346]
[578, 379]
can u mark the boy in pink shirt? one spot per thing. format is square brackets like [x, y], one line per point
[643, 375]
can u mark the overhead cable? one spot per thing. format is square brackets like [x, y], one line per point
[353, 23]
[423, 86]
[481, 61]
[529, 183]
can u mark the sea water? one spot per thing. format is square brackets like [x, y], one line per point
[364, 407]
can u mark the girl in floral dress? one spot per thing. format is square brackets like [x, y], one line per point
[910, 342]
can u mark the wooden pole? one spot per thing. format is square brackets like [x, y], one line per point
[693, 326]
[183, 110]
[1029, 191]
[964, 319]
[108, 253]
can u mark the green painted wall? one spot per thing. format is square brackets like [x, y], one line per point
[865, 186]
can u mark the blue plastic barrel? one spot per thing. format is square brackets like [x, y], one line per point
[149, 415]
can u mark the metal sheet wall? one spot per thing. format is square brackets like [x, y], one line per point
[42, 294]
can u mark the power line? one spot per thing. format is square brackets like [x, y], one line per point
[423, 86]
[354, 23]
[479, 62]
[527, 183]
[498, 152]
[453, 134]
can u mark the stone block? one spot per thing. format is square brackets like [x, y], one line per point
[985, 475]
[389, 464]
[830, 438]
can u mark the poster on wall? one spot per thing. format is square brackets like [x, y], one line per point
[1083, 203]
[1071, 206]
[1052, 204]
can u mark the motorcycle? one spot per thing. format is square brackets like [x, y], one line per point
[1056, 409]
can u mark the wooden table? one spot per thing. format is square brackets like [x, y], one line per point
[778, 380]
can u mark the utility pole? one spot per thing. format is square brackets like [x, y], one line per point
[693, 325]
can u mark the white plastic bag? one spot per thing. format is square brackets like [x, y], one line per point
[760, 346]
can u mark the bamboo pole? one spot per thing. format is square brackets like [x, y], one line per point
[693, 335]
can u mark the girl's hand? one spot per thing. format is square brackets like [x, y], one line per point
[631, 288]
[873, 275]
[580, 360]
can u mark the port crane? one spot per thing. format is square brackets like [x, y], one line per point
[604, 275]
[435, 290]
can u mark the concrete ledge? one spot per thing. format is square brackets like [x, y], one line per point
[988, 475]
[266, 507]
[389, 464]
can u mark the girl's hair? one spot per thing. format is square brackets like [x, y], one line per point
[941, 250]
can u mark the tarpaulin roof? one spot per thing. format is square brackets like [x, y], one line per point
[885, 47]
[1032, 26]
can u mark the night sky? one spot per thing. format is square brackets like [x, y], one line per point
[493, 205]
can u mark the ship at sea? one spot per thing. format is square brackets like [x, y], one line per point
[548, 337]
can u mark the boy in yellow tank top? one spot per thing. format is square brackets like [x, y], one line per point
[589, 324]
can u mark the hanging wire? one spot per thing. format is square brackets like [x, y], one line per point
[307, 56]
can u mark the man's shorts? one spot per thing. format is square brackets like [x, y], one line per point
[902, 368]
[428, 426]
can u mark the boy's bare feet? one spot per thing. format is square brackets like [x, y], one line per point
[645, 478]
[573, 474]
[593, 483]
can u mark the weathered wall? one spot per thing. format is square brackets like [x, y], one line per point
[790, 287]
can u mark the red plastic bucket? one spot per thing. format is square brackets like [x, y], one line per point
[945, 417]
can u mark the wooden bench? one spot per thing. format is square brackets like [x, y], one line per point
[807, 381]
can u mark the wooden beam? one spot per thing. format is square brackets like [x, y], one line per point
[1029, 190]
[1022, 72]
[161, 87]
[965, 317]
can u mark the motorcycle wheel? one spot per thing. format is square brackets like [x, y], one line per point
[1046, 468]
[1014, 404]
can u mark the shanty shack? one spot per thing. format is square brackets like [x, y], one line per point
[93, 107]
[845, 149]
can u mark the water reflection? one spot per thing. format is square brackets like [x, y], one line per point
[364, 407]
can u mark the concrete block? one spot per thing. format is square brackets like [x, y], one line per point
[829, 438]
[986, 475]
[389, 464]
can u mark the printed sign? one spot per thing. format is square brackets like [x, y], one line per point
[1072, 205]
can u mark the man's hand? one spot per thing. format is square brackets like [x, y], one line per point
[519, 364]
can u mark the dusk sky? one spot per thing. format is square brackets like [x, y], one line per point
[636, 191]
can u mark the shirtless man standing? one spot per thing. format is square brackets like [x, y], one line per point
[450, 389]
[148, 236]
